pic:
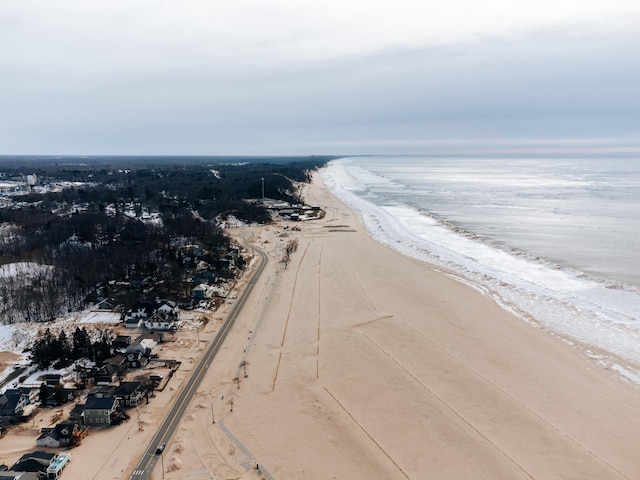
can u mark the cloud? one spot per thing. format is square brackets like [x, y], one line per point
[194, 77]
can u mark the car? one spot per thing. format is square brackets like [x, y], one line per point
[160, 448]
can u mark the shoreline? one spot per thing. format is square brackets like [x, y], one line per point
[598, 314]
[398, 370]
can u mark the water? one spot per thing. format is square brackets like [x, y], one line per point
[555, 241]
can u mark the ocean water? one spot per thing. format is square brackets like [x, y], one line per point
[556, 241]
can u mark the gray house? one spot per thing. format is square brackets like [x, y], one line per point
[100, 410]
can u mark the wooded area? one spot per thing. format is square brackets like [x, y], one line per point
[91, 225]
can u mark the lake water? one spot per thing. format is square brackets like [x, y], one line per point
[554, 240]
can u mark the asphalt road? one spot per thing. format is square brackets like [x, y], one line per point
[166, 431]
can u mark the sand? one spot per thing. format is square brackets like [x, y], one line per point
[355, 362]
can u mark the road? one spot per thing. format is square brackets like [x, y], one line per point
[166, 431]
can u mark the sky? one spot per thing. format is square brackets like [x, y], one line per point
[299, 77]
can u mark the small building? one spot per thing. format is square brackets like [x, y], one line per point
[121, 342]
[136, 360]
[59, 436]
[52, 379]
[14, 404]
[136, 315]
[157, 322]
[168, 309]
[108, 304]
[201, 292]
[130, 394]
[77, 413]
[42, 464]
[143, 346]
[100, 410]
[133, 322]
[106, 374]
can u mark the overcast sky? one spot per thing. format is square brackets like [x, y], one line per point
[285, 77]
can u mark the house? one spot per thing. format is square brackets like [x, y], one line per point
[118, 361]
[133, 322]
[136, 315]
[157, 322]
[142, 345]
[52, 379]
[58, 395]
[77, 413]
[201, 292]
[106, 374]
[205, 276]
[107, 304]
[100, 410]
[136, 360]
[130, 394]
[42, 464]
[59, 436]
[121, 342]
[14, 403]
[168, 309]
[102, 391]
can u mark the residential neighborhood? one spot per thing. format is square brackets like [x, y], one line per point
[91, 395]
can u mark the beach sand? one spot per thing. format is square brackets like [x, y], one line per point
[363, 363]
[355, 362]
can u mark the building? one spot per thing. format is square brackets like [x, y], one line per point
[130, 394]
[157, 322]
[41, 464]
[15, 404]
[201, 292]
[121, 342]
[61, 435]
[143, 346]
[100, 410]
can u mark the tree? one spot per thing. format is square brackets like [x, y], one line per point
[41, 352]
[44, 393]
[81, 344]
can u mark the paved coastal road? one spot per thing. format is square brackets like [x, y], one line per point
[148, 462]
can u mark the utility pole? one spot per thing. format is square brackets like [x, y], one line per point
[262, 189]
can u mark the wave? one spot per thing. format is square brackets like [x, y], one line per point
[597, 313]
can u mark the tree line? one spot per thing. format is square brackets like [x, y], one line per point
[89, 238]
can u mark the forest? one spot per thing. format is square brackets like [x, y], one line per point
[119, 227]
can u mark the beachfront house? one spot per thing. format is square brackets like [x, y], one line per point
[42, 464]
[59, 436]
[130, 394]
[100, 410]
[15, 403]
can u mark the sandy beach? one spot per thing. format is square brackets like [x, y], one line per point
[362, 363]
[355, 362]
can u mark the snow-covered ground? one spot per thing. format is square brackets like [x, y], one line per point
[18, 337]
